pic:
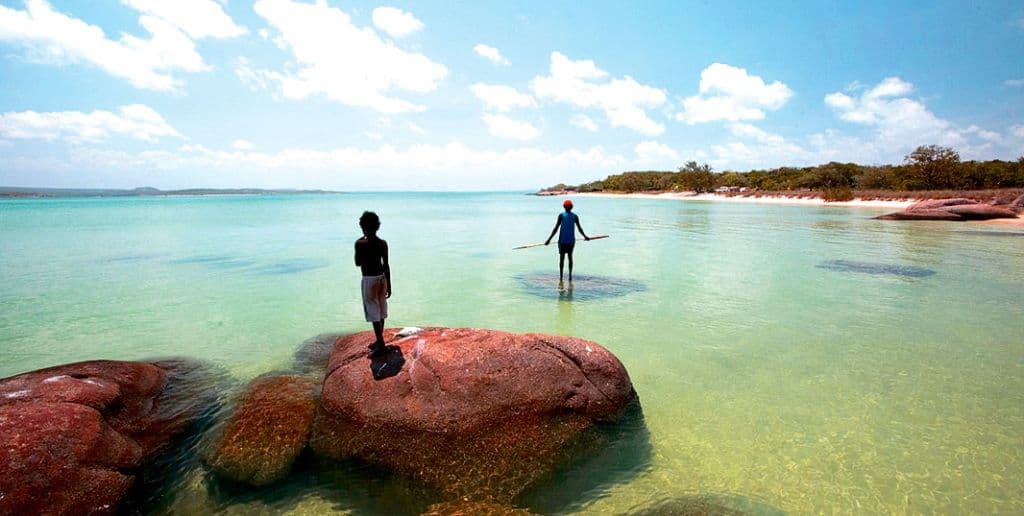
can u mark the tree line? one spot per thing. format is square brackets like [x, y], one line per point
[929, 167]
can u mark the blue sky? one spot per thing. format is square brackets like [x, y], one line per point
[488, 96]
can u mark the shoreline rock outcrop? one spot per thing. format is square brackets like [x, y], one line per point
[957, 209]
[75, 436]
[478, 414]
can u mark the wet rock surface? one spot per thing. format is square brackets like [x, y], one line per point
[76, 436]
[472, 413]
[267, 430]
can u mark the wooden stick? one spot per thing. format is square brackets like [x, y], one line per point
[598, 237]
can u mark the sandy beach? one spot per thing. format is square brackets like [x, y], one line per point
[768, 199]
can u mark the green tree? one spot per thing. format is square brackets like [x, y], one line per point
[698, 178]
[933, 167]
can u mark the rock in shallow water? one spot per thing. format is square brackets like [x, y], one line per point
[934, 214]
[473, 413]
[267, 430]
[75, 435]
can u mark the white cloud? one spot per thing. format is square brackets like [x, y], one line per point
[135, 120]
[491, 54]
[584, 122]
[54, 37]
[501, 98]
[898, 120]
[242, 145]
[730, 93]
[415, 128]
[396, 22]
[1014, 83]
[1017, 131]
[741, 130]
[347, 64]
[197, 18]
[505, 127]
[582, 84]
[654, 151]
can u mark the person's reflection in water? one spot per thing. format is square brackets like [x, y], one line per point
[564, 325]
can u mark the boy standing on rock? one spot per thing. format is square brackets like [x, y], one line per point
[372, 258]
[569, 222]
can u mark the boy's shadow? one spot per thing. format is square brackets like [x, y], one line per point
[388, 363]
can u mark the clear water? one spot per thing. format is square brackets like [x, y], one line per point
[783, 358]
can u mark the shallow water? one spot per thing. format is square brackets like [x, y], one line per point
[768, 383]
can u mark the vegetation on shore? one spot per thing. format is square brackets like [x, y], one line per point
[930, 169]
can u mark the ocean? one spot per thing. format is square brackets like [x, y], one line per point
[788, 358]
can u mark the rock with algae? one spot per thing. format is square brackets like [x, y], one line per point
[472, 413]
[267, 430]
[76, 436]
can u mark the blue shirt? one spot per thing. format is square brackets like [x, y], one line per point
[567, 233]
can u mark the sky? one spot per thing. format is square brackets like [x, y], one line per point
[362, 96]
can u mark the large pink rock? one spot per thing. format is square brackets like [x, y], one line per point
[72, 435]
[932, 204]
[474, 413]
[981, 212]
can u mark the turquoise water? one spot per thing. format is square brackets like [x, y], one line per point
[784, 356]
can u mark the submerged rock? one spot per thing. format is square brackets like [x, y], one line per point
[876, 268]
[463, 508]
[583, 287]
[267, 431]
[472, 413]
[933, 214]
[76, 435]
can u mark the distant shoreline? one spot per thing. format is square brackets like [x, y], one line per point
[754, 199]
[7, 192]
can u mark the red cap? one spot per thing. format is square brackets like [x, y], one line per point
[567, 204]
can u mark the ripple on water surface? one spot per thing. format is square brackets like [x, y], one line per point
[581, 288]
[893, 269]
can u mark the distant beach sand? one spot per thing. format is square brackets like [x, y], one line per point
[766, 199]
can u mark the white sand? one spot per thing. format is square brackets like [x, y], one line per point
[772, 199]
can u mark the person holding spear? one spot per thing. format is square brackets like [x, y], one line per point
[569, 222]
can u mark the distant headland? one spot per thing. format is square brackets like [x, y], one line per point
[146, 191]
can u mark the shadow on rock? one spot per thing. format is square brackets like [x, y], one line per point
[387, 364]
[610, 454]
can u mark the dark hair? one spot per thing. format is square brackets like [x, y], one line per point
[369, 220]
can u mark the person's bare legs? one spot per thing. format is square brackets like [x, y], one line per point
[570, 266]
[378, 331]
[561, 266]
